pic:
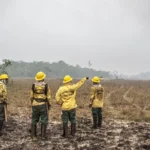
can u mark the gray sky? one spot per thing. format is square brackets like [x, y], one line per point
[112, 34]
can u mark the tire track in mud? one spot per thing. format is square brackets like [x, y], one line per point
[126, 97]
[108, 96]
[130, 101]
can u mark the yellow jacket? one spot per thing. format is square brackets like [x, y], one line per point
[39, 93]
[3, 92]
[97, 96]
[66, 95]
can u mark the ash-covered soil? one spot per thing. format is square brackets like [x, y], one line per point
[114, 135]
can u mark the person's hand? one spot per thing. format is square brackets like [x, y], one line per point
[4, 101]
[49, 106]
[87, 78]
[90, 105]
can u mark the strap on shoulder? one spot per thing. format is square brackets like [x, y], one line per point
[46, 88]
[33, 88]
[45, 91]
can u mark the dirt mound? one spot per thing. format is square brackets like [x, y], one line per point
[114, 135]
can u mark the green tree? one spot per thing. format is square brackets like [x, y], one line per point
[20, 69]
[5, 64]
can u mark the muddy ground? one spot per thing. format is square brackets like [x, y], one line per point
[114, 135]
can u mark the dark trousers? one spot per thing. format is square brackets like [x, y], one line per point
[69, 115]
[97, 115]
[39, 112]
[2, 115]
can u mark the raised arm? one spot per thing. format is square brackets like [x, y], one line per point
[79, 84]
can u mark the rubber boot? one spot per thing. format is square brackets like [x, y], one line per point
[33, 132]
[99, 122]
[43, 131]
[95, 122]
[73, 129]
[63, 135]
[65, 130]
[1, 126]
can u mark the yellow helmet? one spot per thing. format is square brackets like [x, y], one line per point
[40, 76]
[97, 79]
[67, 79]
[3, 77]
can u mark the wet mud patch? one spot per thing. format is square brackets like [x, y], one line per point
[114, 135]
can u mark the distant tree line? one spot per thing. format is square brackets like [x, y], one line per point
[21, 69]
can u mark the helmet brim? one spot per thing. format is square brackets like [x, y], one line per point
[68, 81]
[40, 78]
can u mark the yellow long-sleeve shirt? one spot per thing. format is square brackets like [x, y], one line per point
[97, 96]
[3, 92]
[66, 95]
[40, 93]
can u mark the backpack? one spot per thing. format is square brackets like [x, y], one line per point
[45, 90]
[99, 93]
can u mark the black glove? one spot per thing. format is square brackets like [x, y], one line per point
[31, 101]
[4, 101]
[90, 105]
[49, 106]
[87, 78]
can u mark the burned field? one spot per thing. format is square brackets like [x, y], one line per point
[113, 135]
[126, 117]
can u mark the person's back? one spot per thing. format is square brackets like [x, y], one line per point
[68, 97]
[98, 95]
[39, 90]
[67, 94]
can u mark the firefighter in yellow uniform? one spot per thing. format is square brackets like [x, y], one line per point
[66, 97]
[97, 101]
[40, 98]
[3, 99]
